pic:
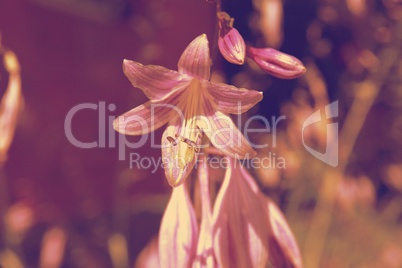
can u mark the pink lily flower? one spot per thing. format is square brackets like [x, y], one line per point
[205, 257]
[276, 63]
[247, 226]
[282, 243]
[191, 105]
[239, 227]
[178, 232]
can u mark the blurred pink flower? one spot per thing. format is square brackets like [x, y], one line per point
[231, 44]
[10, 104]
[276, 63]
[191, 105]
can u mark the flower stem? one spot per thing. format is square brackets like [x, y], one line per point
[214, 47]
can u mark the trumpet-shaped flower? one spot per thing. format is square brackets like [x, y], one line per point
[248, 226]
[191, 105]
[239, 227]
[244, 228]
[178, 233]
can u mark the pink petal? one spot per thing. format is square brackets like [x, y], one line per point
[195, 59]
[283, 248]
[223, 133]
[238, 228]
[205, 251]
[148, 116]
[155, 81]
[178, 157]
[282, 243]
[178, 232]
[233, 100]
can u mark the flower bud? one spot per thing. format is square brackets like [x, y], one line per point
[230, 42]
[276, 63]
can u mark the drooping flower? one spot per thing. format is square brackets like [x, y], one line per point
[178, 233]
[248, 226]
[284, 251]
[276, 63]
[205, 257]
[191, 105]
[231, 44]
[245, 228]
[240, 229]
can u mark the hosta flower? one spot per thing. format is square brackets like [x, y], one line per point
[178, 233]
[239, 227]
[244, 229]
[231, 44]
[191, 105]
[248, 226]
[276, 63]
[284, 251]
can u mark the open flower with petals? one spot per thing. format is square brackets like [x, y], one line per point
[191, 105]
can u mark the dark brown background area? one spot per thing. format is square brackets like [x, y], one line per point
[72, 54]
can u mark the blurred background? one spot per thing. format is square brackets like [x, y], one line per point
[63, 206]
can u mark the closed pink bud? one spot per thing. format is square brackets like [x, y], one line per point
[231, 43]
[276, 63]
